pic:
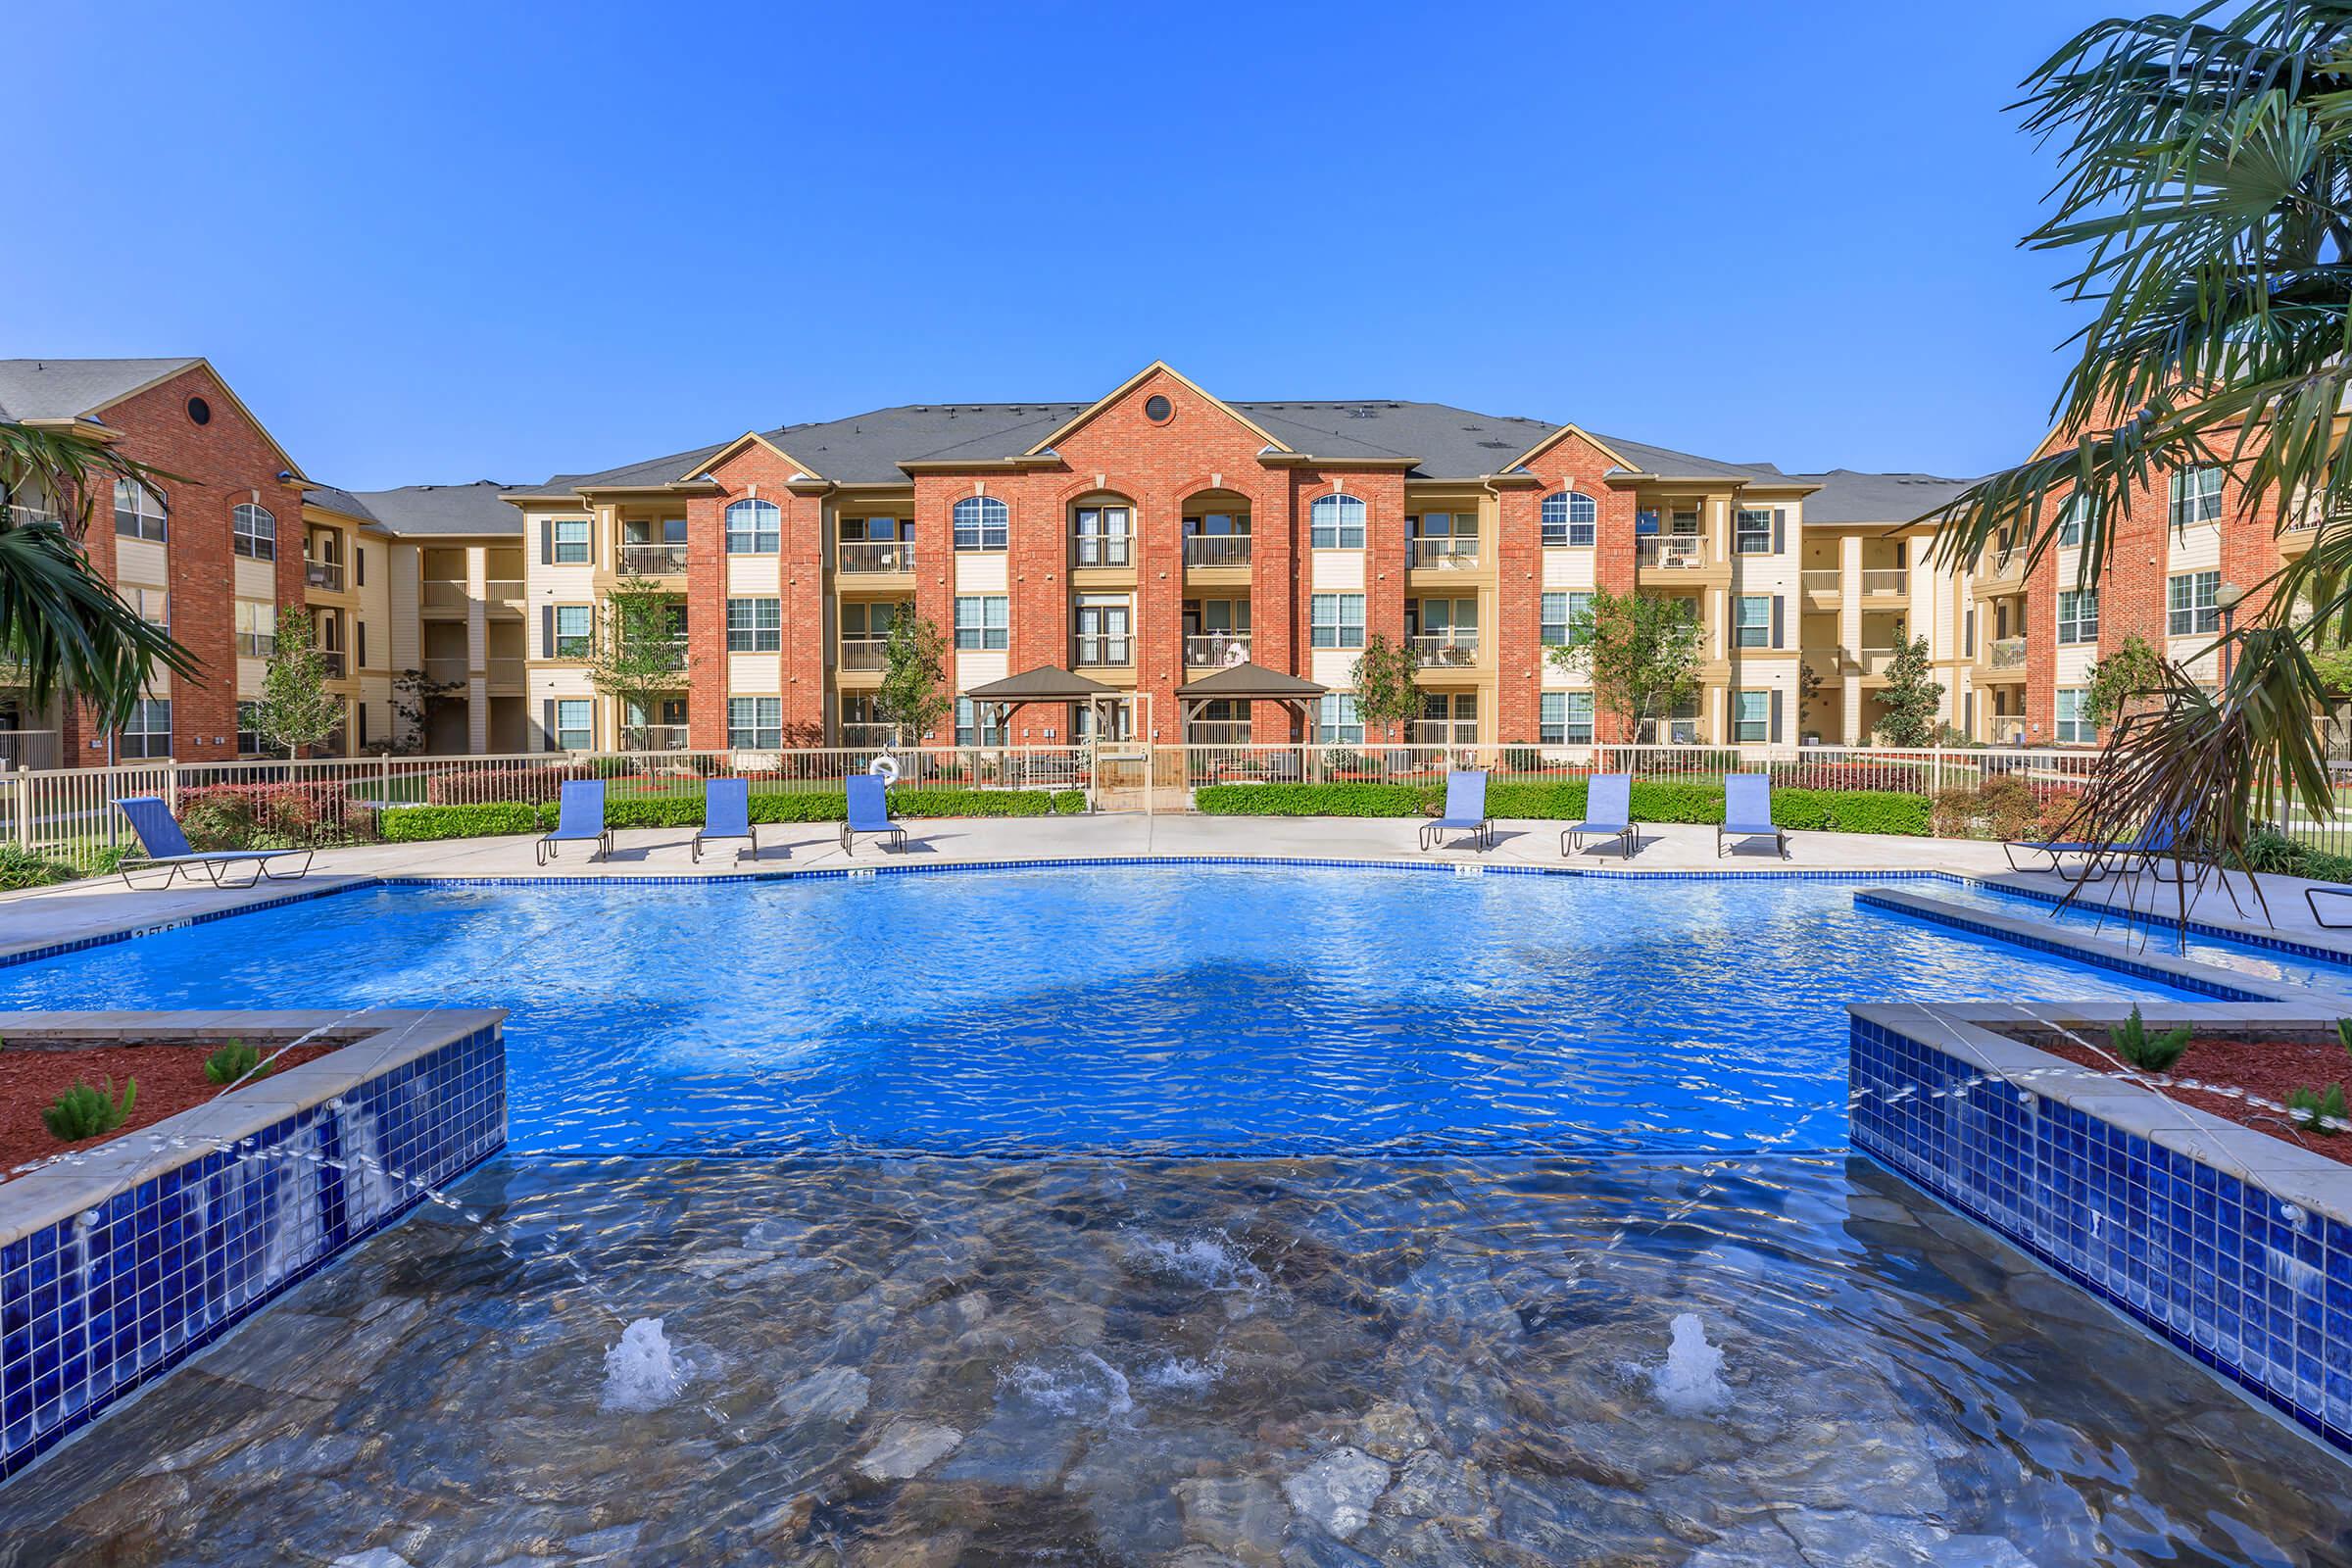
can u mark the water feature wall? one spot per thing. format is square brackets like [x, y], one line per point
[2234, 1245]
[120, 1263]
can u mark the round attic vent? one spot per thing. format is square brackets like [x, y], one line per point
[199, 411]
[1158, 409]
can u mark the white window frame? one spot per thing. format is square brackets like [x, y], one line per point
[1740, 626]
[972, 730]
[1751, 523]
[1330, 623]
[1336, 722]
[754, 625]
[1571, 520]
[980, 523]
[2195, 496]
[2195, 612]
[146, 734]
[1751, 709]
[583, 710]
[753, 528]
[253, 531]
[143, 510]
[759, 718]
[1336, 522]
[2077, 627]
[988, 624]
[2068, 724]
[562, 542]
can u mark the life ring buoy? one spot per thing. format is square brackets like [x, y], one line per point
[885, 768]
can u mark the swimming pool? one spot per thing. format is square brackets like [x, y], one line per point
[1237, 1010]
[2153, 932]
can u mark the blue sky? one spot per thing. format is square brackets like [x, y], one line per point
[442, 243]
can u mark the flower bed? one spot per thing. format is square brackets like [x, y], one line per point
[2244, 1079]
[170, 1079]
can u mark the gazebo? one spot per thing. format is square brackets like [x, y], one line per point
[1047, 683]
[1246, 682]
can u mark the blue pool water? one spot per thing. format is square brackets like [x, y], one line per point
[1202, 1011]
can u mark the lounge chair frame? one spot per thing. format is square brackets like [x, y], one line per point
[850, 827]
[550, 843]
[1481, 828]
[215, 865]
[1572, 839]
[1726, 830]
[750, 829]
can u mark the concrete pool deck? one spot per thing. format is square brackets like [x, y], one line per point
[104, 907]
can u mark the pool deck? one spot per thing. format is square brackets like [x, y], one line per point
[100, 907]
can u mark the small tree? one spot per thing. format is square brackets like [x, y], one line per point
[1386, 693]
[1640, 651]
[633, 655]
[912, 696]
[2133, 673]
[1909, 705]
[296, 709]
[413, 694]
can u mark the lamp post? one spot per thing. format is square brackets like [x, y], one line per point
[2228, 597]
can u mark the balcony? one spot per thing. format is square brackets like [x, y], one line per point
[866, 557]
[1674, 553]
[1114, 651]
[1821, 580]
[34, 749]
[1216, 550]
[2006, 653]
[323, 574]
[445, 593]
[1444, 732]
[1442, 555]
[654, 561]
[1216, 649]
[653, 737]
[1445, 649]
[1885, 580]
[256, 644]
[669, 655]
[1101, 550]
[504, 595]
[447, 669]
[334, 662]
[504, 669]
[863, 735]
[864, 652]
[1869, 661]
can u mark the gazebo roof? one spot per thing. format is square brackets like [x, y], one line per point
[1047, 683]
[1251, 681]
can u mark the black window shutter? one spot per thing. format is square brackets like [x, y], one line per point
[360, 652]
[1776, 717]
[1776, 542]
[1776, 620]
[359, 565]
[547, 631]
[546, 541]
[547, 724]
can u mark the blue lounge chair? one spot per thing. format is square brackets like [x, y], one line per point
[2094, 861]
[166, 848]
[2089, 861]
[869, 813]
[1465, 811]
[1747, 812]
[2313, 896]
[727, 814]
[579, 819]
[1608, 813]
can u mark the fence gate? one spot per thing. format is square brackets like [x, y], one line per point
[1123, 779]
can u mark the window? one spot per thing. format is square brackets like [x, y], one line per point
[1565, 718]
[147, 732]
[253, 531]
[1336, 722]
[1752, 716]
[256, 628]
[1102, 631]
[576, 725]
[1447, 719]
[574, 628]
[1102, 536]
[978, 726]
[981, 522]
[154, 605]
[1751, 626]
[570, 536]
[1569, 518]
[251, 742]
[2073, 517]
[2196, 495]
[2192, 603]
[754, 527]
[1752, 534]
[1336, 522]
[1561, 612]
[138, 511]
[983, 620]
[2073, 723]
[1335, 620]
[754, 625]
[2077, 615]
[756, 723]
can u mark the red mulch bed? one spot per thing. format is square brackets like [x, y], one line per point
[2270, 1069]
[170, 1080]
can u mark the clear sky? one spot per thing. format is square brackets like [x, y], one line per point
[438, 242]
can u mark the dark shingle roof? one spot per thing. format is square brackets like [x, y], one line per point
[67, 389]
[1847, 496]
[428, 510]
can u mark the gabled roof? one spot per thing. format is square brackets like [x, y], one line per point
[1046, 442]
[1847, 496]
[427, 510]
[1249, 680]
[75, 389]
[1047, 683]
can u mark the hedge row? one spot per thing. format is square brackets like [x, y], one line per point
[1563, 801]
[416, 824]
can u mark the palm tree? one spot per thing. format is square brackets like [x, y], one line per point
[63, 627]
[2206, 198]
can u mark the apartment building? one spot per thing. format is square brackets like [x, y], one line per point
[1161, 534]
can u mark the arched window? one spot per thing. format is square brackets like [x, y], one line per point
[981, 522]
[1568, 517]
[253, 532]
[754, 528]
[1336, 522]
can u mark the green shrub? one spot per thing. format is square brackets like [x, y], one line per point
[1068, 803]
[233, 1061]
[2314, 1109]
[2148, 1052]
[1562, 800]
[642, 810]
[20, 869]
[2271, 851]
[414, 824]
[825, 806]
[1314, 800]
[82, 1112]
[281, 815]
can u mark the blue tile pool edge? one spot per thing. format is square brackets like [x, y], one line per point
[2215, 1264]
[171, 1267]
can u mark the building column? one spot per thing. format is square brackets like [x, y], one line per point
[477, 641]
[1849, 636]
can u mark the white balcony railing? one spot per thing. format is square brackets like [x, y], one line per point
[1101, 550]
[1438, 554]
[864, 557]
[28, 748]
[2007, 652]
[864, 653]
[654, 737]
[1886, 580]
[1674, 553]
[323, 574]
[1217, 732]
[654, 561]
[1820, 580]
[1215, 650]
[1216, 550]
[1445, 648]
[1444, 732]
[869, 734]
[1115, 651]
